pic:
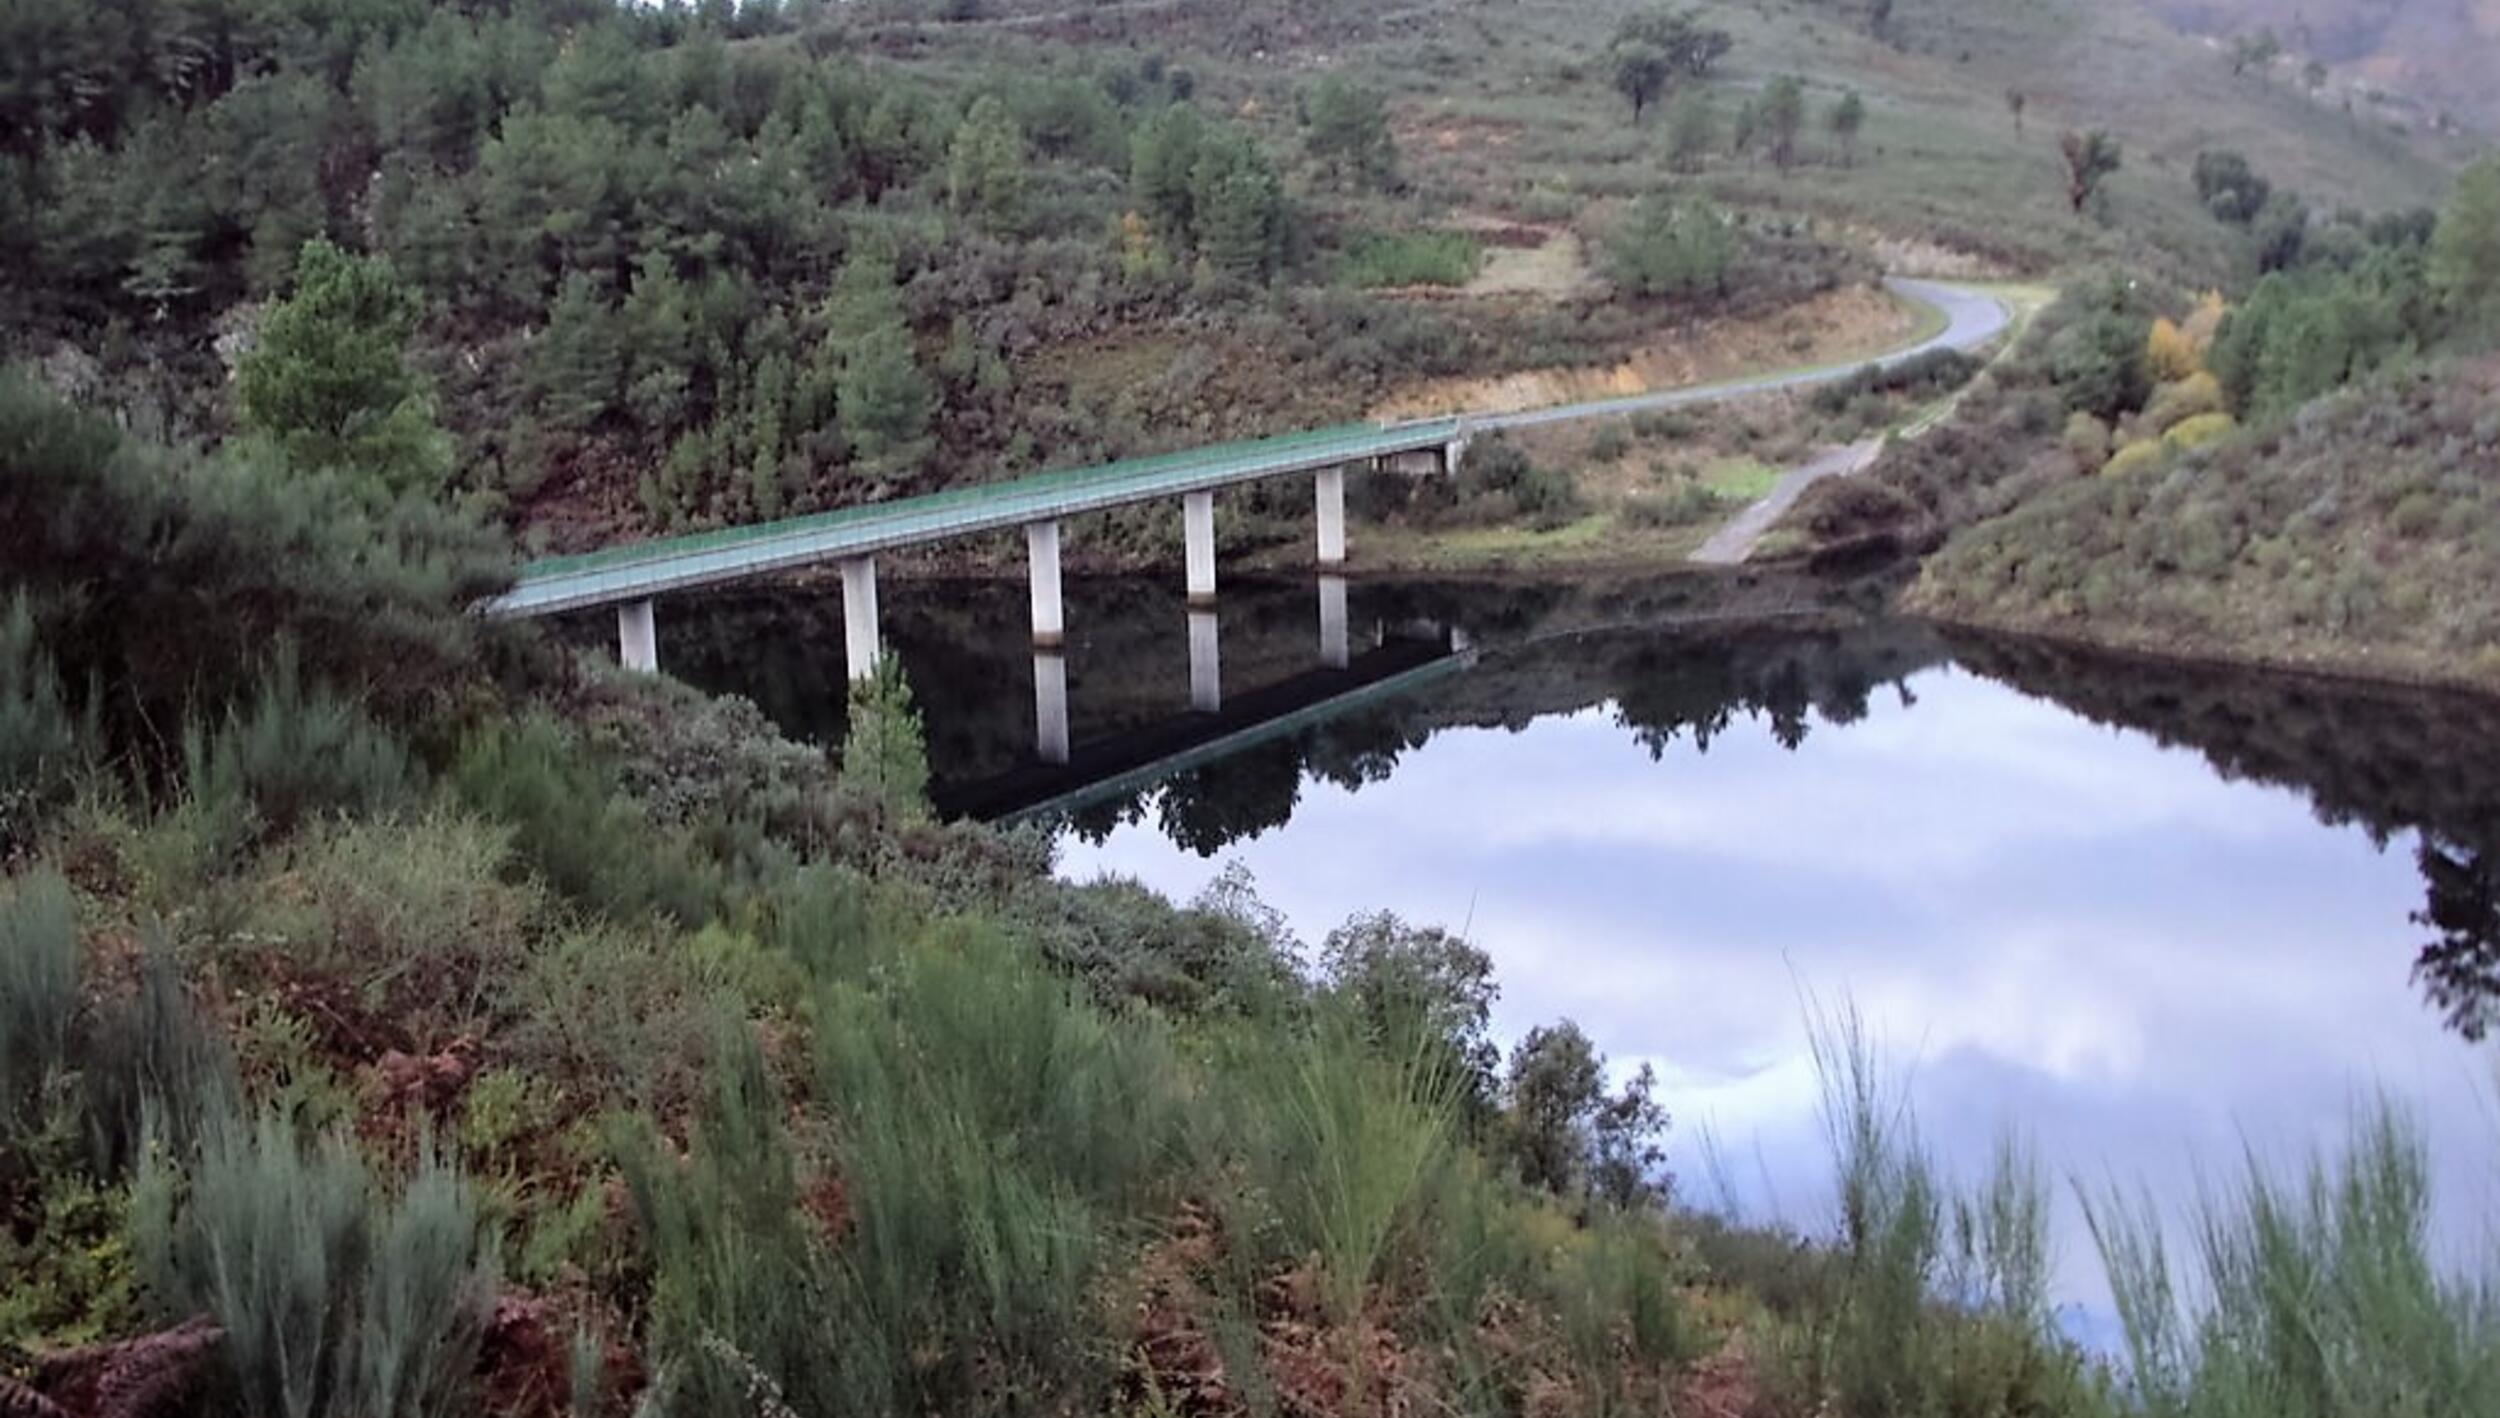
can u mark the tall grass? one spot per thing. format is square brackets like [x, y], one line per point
[1341, 1131]
[1933, 1301]
[338, 1299]
[2311, 1298]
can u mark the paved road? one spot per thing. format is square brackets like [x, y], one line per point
[1972, 319]
[1734, 542]
[640, 570]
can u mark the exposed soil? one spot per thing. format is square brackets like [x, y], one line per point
[1834, 326]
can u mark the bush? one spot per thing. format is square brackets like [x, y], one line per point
[2175, 403]
[2135, 457]
[294, 754]
[2088, 439]
[338, 1301]
[1662, 248]
[2198, 431]
[39, 1001]
[591, 845]
[45, 745]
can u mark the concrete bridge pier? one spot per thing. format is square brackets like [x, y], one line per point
[1041, 546]
[1206, 690]
[1050, 706]
[1452, 452]
[637, 637]
[1332, 636]
[1330, 486]
[1198, 532]
[859, 615]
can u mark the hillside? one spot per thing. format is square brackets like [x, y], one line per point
[671, 269]
[2437, 55]
[2359, 537]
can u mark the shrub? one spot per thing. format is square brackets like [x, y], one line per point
[336, 1298]
[1663, 248]
[45, 744]
[296, 752]
[590, 844]
[2088, 439]
[1687, 503]
[2194, 396]
[414, 918]
[39, 999]
[2135, 457]
[2198, 431]
[1343, 1132]
[2318, 1297]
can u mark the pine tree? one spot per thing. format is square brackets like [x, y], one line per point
[577, 362]
[1163, 166]
[884, 758]
[985, 167]
[1348, 133]
[883, 399]
[1241, 210]
[328, 382]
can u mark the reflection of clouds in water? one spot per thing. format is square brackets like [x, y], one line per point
[2056, 924]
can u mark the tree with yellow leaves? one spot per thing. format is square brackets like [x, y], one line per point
[2170, 353]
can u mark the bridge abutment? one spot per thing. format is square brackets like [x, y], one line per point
[1041, 546]
[1330, 489]
[859, 615]
[637, 637]
[1198, 536]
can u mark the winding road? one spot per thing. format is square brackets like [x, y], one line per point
[1972, 318]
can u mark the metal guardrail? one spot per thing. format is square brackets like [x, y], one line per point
[650, 568]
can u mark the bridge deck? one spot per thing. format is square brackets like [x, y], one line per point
[674, 563]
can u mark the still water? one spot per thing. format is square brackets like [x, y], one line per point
[2150, 916]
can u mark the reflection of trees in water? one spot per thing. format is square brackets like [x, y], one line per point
[1666, 686]
[2460, 971]
[1674, 689]
[2385, 759]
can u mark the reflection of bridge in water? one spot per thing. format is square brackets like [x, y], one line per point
[1063, 778]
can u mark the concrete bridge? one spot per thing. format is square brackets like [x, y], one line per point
[630, 577]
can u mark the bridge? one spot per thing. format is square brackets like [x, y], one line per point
[630, 577]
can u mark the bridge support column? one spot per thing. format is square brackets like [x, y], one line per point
[1330, 485]
[1206, 690]
[1452, 452]
[1198, 531]
[1050, 706]
[859, 615]
[637, 637]
[1332, 636]
[1041, 546]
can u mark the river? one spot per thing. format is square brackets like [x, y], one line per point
[2148, 915]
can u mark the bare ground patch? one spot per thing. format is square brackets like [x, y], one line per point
[1837, 325]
